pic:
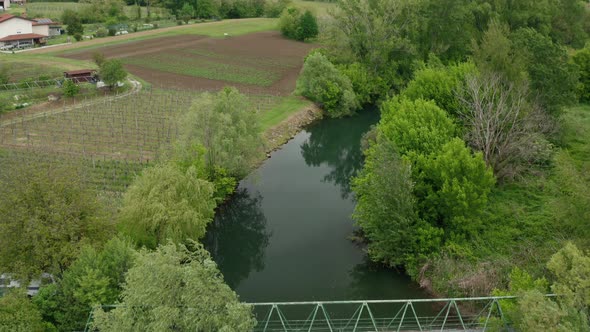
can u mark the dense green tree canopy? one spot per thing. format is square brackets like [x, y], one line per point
[297, 25]
[46, 215]
[321, 82]
[385, 211]
[440, 84]
[582, 59]
[166, 203]
[176, 289]
[452, 187]
[552, 77]
[17, 313]
[96, 277]
[416, 127]
[227, 128]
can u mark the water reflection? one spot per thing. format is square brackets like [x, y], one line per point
[338, 144]
[238, 237]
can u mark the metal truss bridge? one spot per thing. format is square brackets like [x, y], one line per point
[452, 314]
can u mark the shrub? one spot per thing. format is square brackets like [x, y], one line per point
[308, 26]
[70, 88]
[295, 25]
[441, 85]
[582, 59]
[321, 82]
[77, 37]
[416, 127]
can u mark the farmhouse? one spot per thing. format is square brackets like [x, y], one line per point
[4, 4]
[21, 31]
[45, 26]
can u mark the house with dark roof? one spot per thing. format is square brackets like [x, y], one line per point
[45, 26]
[21, 32]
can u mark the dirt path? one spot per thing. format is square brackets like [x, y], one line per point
[135, 88]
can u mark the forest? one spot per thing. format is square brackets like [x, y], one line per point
[475, 180]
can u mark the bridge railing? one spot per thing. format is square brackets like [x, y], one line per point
[450, 314]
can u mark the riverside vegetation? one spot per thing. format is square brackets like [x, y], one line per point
[475, 179]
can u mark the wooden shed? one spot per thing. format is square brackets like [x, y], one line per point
[81, 76]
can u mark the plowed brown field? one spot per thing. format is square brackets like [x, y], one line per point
[261, 62]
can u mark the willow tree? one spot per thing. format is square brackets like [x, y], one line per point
[176, 289]
[166, 203]
[224, 130]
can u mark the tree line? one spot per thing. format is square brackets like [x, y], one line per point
[471, 96]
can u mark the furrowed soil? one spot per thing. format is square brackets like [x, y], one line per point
[259, 63]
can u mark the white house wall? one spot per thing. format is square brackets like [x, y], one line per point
[15, 26]
[41, 29]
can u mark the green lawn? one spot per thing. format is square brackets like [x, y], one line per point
[280, 111]
[25, 65]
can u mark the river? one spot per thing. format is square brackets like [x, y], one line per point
[284, 236]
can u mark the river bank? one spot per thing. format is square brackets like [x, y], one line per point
[284, 235]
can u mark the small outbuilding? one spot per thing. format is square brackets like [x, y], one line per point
[81, 76]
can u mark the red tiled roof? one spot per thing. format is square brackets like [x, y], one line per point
[21, 37]
[6, 17]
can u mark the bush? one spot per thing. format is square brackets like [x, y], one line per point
[582, 59]
[70, 88]
[321, 82]
[295, 25]
[441, 85]
[416, 127]
[101, 32]
[78, 37]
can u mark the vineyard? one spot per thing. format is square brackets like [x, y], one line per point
[112, 140]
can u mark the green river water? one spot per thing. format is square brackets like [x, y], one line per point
[285, 235]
